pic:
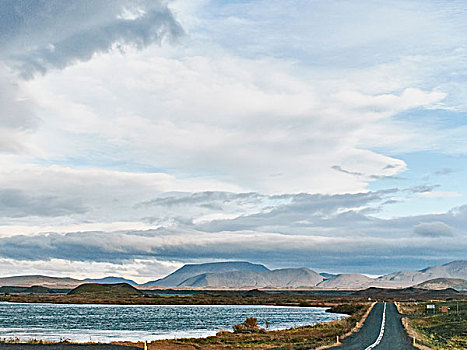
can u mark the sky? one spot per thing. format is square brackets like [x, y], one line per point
[137, 136]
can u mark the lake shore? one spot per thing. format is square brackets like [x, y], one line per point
[321, 333]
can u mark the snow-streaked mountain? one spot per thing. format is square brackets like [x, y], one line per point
[454, 269]
[244, 274]
[191, 270]
[281, 278]
[347, 281]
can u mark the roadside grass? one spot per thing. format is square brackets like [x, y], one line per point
[437, 329]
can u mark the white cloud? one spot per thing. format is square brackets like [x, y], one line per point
[316, 229]
[17, 116]
[82, 199]
[253, 124]
[440, 194]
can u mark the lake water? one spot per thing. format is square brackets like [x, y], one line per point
[106, 323]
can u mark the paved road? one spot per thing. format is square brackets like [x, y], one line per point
[373, 336]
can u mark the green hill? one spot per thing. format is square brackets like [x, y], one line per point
[106, 290]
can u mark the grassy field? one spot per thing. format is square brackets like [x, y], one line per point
[437, 329]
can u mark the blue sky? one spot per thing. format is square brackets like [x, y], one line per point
[136, 136]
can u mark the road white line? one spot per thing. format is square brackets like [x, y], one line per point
[381, 332]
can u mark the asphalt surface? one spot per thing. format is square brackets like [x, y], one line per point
[393, 337]
[65, 347]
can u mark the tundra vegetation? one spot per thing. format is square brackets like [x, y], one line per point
[441, 327]
[124, 294]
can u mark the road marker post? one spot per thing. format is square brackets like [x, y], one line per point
[145, 345]
[414, 341]
[338, 342]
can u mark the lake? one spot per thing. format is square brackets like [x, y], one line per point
[106, 323]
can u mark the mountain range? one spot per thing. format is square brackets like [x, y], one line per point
[247, 275]
[242, 275]
[57, 282]
[454, 269]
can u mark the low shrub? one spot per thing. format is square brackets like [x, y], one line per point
[250, 325]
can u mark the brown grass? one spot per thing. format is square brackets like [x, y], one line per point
[436, 330]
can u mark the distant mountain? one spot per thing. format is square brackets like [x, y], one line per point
[443, 283]
[38, 280]
[281, 278]
[237, 275]
[106, 290]
[111, 280]
[244, 274]
[346, 281]
[187, 271]
[454, 269]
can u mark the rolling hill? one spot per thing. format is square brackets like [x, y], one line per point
[24, 290]
[103, 290]
[407, 293]
[38, 280]
[443, 283]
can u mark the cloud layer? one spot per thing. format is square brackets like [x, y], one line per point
[317, 230]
